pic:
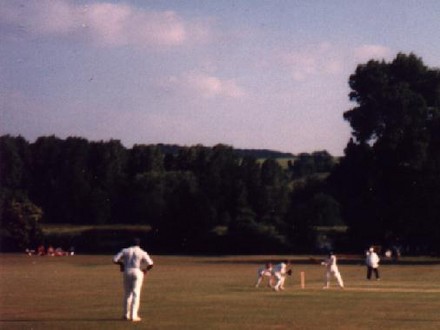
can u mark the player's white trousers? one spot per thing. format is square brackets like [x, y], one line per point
[336, 274]
[133, 279]
[280, 278]
[260, 276]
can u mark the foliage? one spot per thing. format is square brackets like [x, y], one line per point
[19, 223]
[310, 206]
[183, 194]
[389, 179]
[310, 164]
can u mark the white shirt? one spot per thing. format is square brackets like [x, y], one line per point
[265, 271]
[133, 257]
[373, 260]
[279, 268]
[330, 263]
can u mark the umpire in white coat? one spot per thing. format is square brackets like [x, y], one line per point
[134, 262]
[372, 262]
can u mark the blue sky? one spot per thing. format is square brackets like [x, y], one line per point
[249, 73]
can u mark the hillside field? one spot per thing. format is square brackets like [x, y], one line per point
[183, 292]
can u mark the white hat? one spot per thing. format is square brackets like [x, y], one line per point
[371, 249]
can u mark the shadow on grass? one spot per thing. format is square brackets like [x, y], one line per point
[412, 320]
[316, 260]
[50, 320]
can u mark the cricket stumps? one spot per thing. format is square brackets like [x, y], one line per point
[303, 279]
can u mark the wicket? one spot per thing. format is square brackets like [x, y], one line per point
[303, 280]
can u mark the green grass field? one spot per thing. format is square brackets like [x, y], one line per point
[85, 292]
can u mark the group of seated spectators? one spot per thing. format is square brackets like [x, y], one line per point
[50, 251]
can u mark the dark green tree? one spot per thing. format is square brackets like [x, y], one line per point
[392, 154]
[74, 182]
[19, 224]
[309, 164]
[187, 218]
[308, 205]
[275, 192]
[147, 198]
[250, 174]
[303, 166]
[15, 158]
[108, 170]
[143, 158]
[47, 181]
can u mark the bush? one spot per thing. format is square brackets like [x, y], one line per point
[19, 223]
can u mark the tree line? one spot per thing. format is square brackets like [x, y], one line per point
[198, 199]
[188, 195]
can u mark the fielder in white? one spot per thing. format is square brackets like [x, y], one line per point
[264, 271]
[332, 269]
[132, 261]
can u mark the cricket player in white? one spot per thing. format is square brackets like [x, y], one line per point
[332, 269]
[279, 272]
[132, 261]
[264, 271]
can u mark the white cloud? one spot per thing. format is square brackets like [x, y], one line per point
[107, 24]
[324, 59]
[204, 85]
[367, 52]
[311, 60]
[121, 25]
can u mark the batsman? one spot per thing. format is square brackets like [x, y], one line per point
[279, 272]
[134, 263]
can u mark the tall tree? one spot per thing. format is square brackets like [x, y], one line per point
[275, 191]
[47, 161]
[19, 224]
[14, 163]
[108, 166]
[143, 158]
[75, 181]
[392, 150]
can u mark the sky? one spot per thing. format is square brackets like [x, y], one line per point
[251, 74]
